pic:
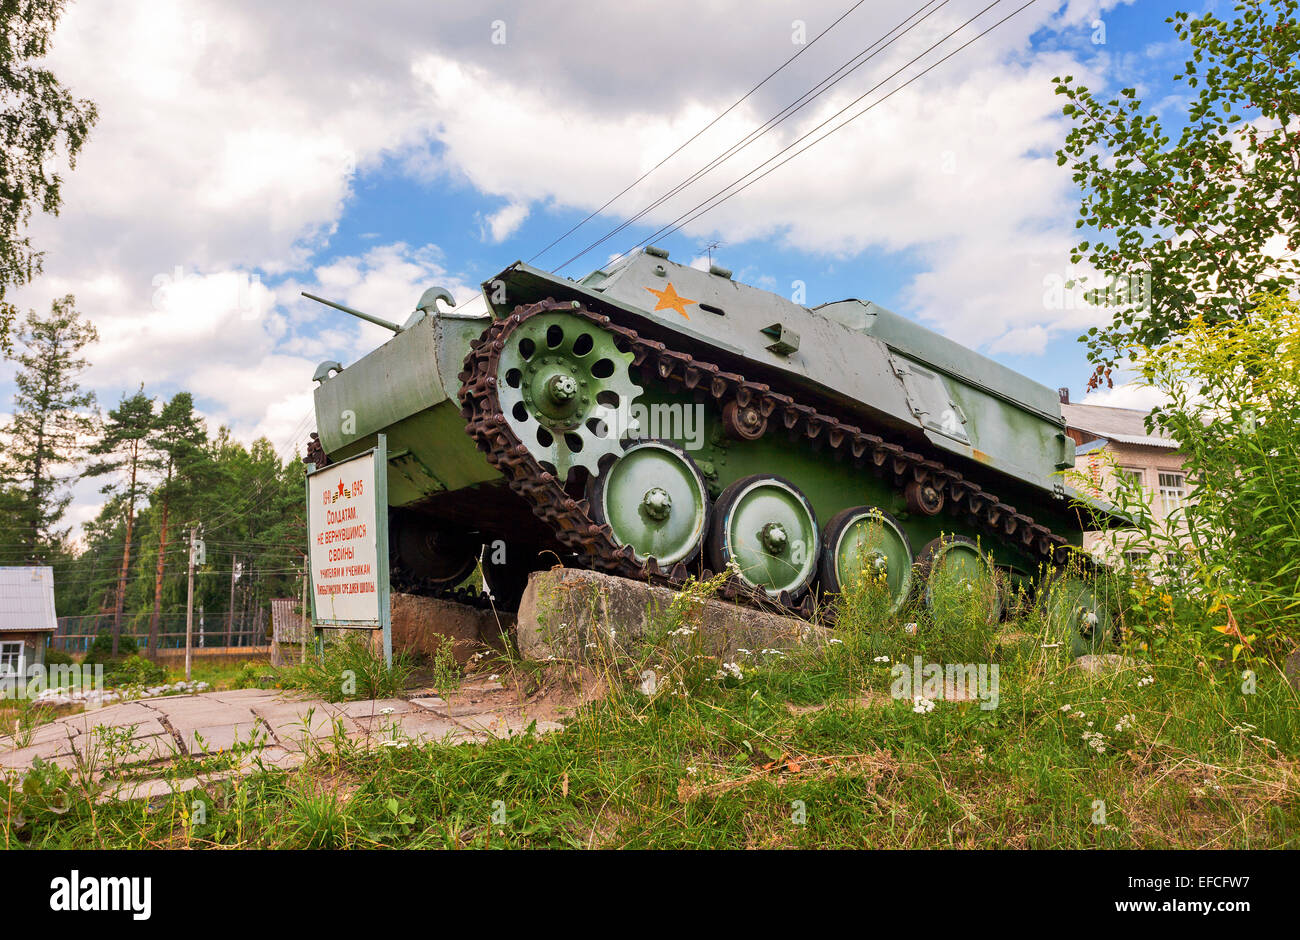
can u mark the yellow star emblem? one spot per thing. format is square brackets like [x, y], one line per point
[669, 299]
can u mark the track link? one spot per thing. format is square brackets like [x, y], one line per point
[571, 521]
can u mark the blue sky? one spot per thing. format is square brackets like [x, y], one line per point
[385, 151]
[1138, 49]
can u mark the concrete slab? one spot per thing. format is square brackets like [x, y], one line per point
[469, 708]
[23, 757]
[191, 713]
[42, 734]
[212, 738]
[288, 723]
[245, 696]
[96, 739]
[275, 725]
[112, 716]
[155, 747]
[148, 789]
[279, 758]
[429, 728]
[506, 726]
[577, 615]
[371, 707]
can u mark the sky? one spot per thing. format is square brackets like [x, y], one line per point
[248, 151]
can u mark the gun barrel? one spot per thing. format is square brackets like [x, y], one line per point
[378, 321]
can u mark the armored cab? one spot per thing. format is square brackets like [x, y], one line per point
[656, 420]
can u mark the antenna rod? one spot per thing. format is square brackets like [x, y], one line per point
[356, 313]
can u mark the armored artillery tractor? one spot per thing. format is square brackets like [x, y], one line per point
[655, 420]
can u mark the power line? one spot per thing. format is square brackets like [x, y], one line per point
[683, 219]
[696, 135]
[798, 104]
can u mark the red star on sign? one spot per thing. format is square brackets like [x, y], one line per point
[340, 487]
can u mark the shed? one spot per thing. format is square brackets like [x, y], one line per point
[27, 618]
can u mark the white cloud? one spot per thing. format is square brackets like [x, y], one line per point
[1127, 395]
[505, 222]
[1031, 340]
[232, 136]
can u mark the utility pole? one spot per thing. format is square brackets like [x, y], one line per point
[306, 617]
[197, 555]
[230, 611]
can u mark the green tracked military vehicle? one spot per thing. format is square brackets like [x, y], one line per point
[655, 420]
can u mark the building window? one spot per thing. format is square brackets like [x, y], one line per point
[11, 658]
[1172, 490]
[1135, 559]
[1134, 476]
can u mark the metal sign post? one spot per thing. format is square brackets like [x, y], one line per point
[347, 548]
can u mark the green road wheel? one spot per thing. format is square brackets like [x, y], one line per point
[654, 499]
[767, 528]
[866, 542]
[565, 391]
[957, 576]
[1080, 614]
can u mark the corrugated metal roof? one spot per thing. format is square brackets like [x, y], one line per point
[1124, 425]
[27, 598]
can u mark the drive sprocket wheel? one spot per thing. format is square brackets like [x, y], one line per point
[565, 391]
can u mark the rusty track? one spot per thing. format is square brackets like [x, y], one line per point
[571, 520]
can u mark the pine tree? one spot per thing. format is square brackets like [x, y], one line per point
[124, 444]
[178, 440]
[51, 421]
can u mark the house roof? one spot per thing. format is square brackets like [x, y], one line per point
[1122, 425]
[27, 599]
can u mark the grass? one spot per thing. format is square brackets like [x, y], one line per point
[807, 749]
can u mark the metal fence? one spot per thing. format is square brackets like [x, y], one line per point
[75, 634]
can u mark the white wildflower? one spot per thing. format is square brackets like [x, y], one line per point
[731, 669]
[1095, 740]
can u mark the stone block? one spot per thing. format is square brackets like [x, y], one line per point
[567, 613]
[422, 624]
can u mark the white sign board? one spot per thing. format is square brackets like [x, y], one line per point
[346, 579]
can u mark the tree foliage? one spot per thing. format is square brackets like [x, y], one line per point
[52, 421]
[1213, 218]
[39, 119]
[127, 461]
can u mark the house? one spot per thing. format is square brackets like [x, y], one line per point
[1110, 441]
[26, 617]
